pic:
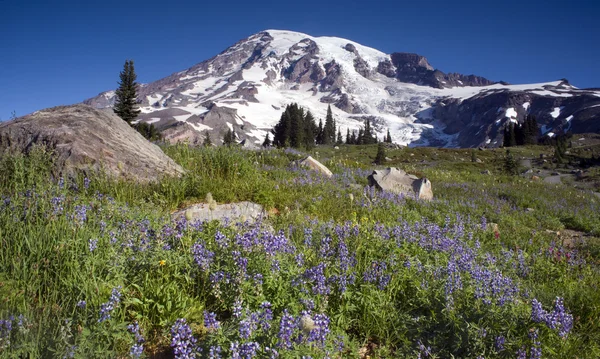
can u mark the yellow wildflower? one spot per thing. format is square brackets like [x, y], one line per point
[162, 262]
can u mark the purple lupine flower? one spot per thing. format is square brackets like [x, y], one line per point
[86, 183]
[210, 320]
[536, 346]
[137, 349]
[214, 352]
[317, 276]
[559, 318]
[246, 328]
[319, 333]
[5, 330]
[182, 340]
[249, 350]
[80, 214]
[287, 326]
[221, 240]
[107, 308]
[81, 304]
[93, 244]
[202, 256]
[237, 309]
[265, 316]
[499, 343]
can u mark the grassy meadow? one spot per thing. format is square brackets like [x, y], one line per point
[94, 268]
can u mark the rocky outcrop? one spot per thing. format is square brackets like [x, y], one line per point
[480, 120]
[399, 182]
[88, 140]
[413, 68]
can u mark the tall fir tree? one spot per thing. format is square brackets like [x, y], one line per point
[510, 138]
[329, 128]
[388, 138]
[320, 133]
[380, 157]
[126, 94]
[229, 138]
[207, 141]
[360, 137]
[282, 130]
[310, 128]
[348, 136]
[353, 139]
[339, 140]
[267, 141]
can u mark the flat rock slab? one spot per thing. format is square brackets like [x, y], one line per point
[553, 179]
[230, 212]
[316, 166]
[85, 139]
[397, 181]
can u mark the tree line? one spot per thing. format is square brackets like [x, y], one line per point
[297, 128]
[521, 134]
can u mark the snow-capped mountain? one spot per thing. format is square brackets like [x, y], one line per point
[247, 86]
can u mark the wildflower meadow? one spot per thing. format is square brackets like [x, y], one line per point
[96, 268]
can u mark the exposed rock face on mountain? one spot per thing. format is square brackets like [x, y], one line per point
[87, 139]
[413, 68]
[246, 87]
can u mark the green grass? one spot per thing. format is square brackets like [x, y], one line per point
[407, 246]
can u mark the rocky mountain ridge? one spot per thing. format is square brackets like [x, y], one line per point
[247, 86]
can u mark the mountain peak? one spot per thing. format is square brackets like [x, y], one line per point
[246, 87]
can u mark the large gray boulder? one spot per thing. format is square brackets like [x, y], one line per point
[397, 181]
[85, 139]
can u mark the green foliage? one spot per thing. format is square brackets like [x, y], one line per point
[267, 141]
[126, 94]
[296, 128]
[207, 142]
[229, 137]
[511, 166]
[410, 247]
[380, 157]
[148, 130]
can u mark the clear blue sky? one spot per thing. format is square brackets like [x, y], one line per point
[62, 52]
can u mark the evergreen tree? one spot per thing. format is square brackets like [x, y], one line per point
[510, 165]
[207, 141]
[229, 137]
[282, 130]
[126, 94]
[520, 133]
[267, 141]
[510, 139]
[388, 139]
[340, 140]
[348, 136]
[310, 129]
[353, 139]
[148, 131]
[380, 157]
[329, 128]
[368, 137]
[320, 133]
[360, 137]
[530, 130]
[297, 130]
